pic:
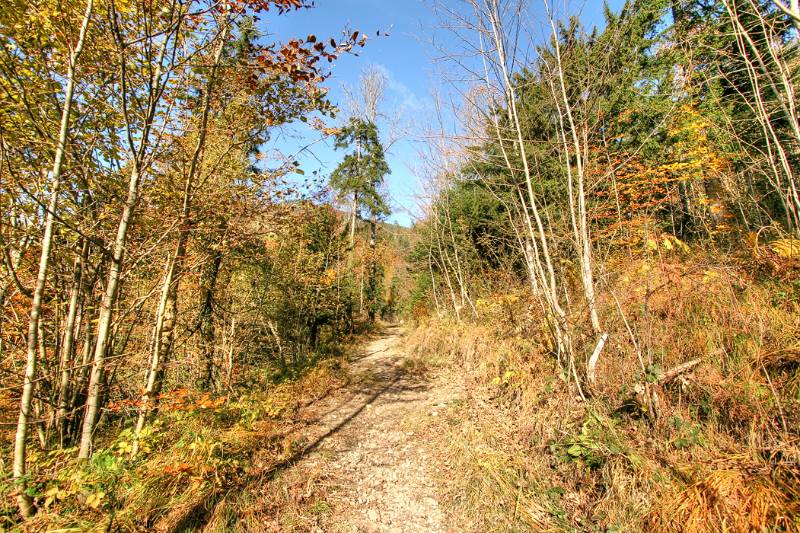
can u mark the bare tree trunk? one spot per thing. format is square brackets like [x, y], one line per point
[70, 331]
[373, 266]
[24, 501]
[361, 292]
[118, 254]
[433, 275]
[771, 71]
[577, 198]
[80, 375]
[353, 216]
[459, 271]
[491, 26]
[165, 330]
[443, 262]
[155, 370]
[206, 319]
[81, 380]
[104, 319]
[530, 208]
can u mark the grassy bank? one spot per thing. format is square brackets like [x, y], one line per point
[690, 426]
[200, 449]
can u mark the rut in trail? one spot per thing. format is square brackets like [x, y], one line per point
[380, 476]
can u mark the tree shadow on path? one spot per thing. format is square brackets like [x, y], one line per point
[387, 375]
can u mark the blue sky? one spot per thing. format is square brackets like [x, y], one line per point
[409, 60]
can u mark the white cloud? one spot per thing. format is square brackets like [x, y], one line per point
[407, 99]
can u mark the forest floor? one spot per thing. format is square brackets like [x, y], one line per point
[368, 464]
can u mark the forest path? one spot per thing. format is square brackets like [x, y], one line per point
[369, 461]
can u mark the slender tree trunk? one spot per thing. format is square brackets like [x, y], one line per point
[445, 271]
[433, 274]
[577, 197]
[353, 217]
[373, 267]
[458, 269]
[106, 314]
[81, 379]
[773, 72]
[497, 34]
[208, 283]
[109, 299]
[157, 359]
[530, 207]
[165, 330]
[24, 501]
[70, 331]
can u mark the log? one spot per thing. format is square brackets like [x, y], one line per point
[674, 372]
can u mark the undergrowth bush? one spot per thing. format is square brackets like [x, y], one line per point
[189, 457]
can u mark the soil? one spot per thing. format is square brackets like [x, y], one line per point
[370, 460]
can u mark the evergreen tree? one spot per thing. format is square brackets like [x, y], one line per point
[360, 177]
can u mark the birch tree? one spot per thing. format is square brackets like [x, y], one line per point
[20, 442]
[156, 56]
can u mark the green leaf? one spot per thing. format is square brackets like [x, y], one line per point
[576, 450]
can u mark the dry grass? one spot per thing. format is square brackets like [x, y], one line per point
[721, 454]
[736, 494]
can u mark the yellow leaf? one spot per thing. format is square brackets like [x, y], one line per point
[94, 500]
[786, 248]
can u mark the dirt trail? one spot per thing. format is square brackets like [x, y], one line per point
[378, 475]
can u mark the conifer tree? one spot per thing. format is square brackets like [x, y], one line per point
[360, 177]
